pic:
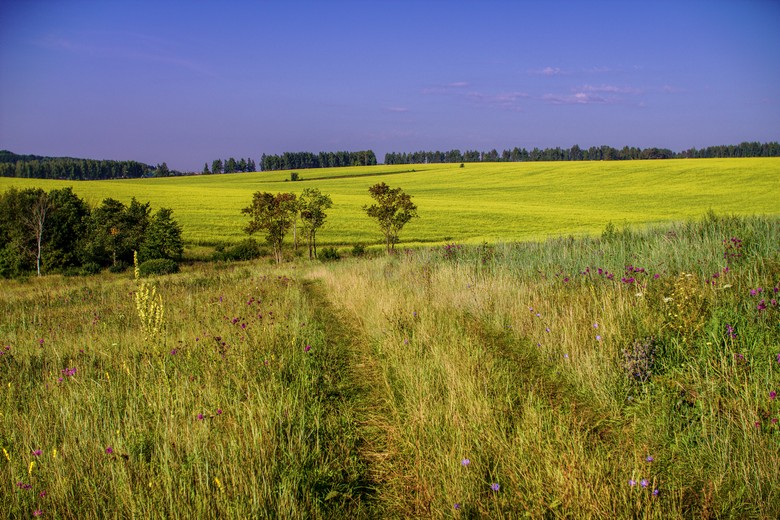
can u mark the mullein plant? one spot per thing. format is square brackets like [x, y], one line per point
[149, 305]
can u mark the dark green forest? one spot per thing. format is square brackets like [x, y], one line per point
[57, 231]
[594, 153]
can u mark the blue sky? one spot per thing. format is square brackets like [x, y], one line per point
[188, 82]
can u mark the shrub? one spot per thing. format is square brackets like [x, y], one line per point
[119, 267]
[90, 268]
[158, 266]
[329, 253]
[358, 250]
[247, 249]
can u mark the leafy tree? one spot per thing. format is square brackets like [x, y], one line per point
[393, 210]
[205, 168]
[116, 231]
[312, 205]
[273, 214]
[216, 166]
[162, 170]
[162, 238]
[66, 229]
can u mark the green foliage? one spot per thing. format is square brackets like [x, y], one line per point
[294, 176]
[247, 249]
[330, 254]
[312, 205]
[358, 250]
[158, 266]
[274, 214]
[393, 210]
[162, 238]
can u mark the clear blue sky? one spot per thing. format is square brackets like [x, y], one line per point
[187, 82]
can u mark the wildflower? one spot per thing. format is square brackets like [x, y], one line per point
[40, 341]
[30, 467]
[595, 325]
[649, 458]
[307, 348]
[495, 486]
[7, 457]
[174, 351]
[219, 411]
[566, 356]
[655, 492]
[457, 506]
[109, 450]
[465, 462]
[42, 494]
[200, 416]
[37, 512]
[632, 482]
[547, 329]
[644, 483]
[37, 453]
[598, 338]
[772, 395]
[656, 276]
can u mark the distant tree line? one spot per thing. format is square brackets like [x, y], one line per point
[295, 160]
[230, 165]
[58, 232]
[575, 153]
[38, 167]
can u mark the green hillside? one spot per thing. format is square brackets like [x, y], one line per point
[486, 201]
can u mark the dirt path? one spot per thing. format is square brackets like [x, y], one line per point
[359, 400]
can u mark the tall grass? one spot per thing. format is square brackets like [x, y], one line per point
[629, 375]
[234, 412]
[523, 359]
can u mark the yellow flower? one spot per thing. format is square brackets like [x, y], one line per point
[29, 470]
[54, 453]
[219, 484]
[7, 457]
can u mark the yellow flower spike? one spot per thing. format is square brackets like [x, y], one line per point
[108, 378]
[54, 453]
[7, 457]
[219, 484]
[29, 470]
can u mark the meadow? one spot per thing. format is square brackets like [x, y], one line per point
[479, 202]
[633, 374]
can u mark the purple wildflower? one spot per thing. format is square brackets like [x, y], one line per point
[200, 416]
[37, 512]
[644, 483]
[457, 506]
[595, 325]
[219, 411]
[495, 486]
[307, 348]
[109, 450]
[649, 458]
[772, 396]
[547, 329]
[632, 482]
[655, 492]
[37, 453]
[598, 337]
[465, 462]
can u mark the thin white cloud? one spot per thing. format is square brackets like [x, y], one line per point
[578, 98]
[610, 89]
[547, 71]
[397, 110]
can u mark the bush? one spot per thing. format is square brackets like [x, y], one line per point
[90, 268]
[329, 253]
[358, 250]
[158, 266]
[119, 267]
[247, 249]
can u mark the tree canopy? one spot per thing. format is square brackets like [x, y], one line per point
[394, 208]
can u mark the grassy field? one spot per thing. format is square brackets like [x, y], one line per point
[480, 202]
[628, 376]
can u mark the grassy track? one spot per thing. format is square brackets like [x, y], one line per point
[492, 202]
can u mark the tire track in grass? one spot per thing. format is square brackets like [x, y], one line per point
[354, 404]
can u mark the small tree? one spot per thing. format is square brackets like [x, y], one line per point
[162, 238]
[312, 206]
[273, 214]
[393, 210]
